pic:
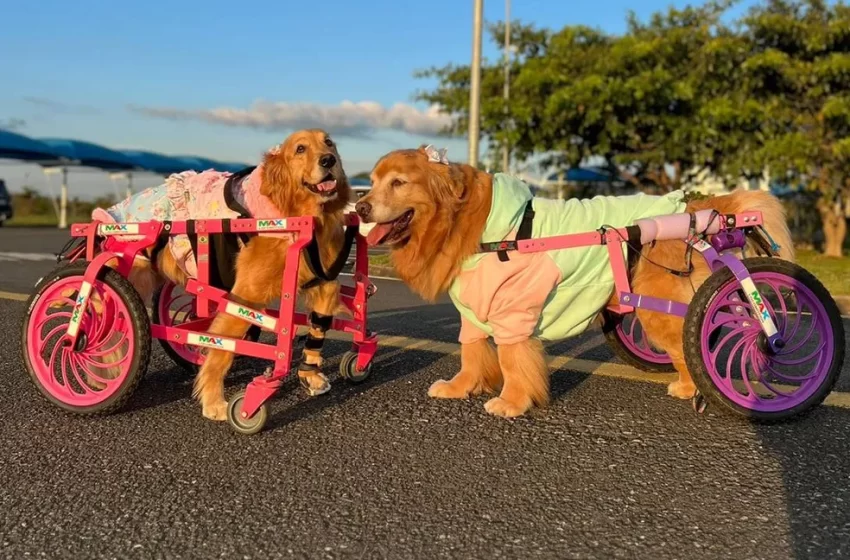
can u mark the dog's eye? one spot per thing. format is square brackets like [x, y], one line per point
[396, 183]
[300, 149]
[329, 143]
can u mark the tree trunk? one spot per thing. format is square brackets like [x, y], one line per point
[834, 229]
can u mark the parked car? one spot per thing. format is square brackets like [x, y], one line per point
[6, 211]
[359, 188]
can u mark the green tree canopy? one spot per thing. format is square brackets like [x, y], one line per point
[681, 93]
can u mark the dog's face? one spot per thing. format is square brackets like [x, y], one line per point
[408, 192]
[308, 164]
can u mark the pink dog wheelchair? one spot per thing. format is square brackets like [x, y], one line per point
[86, 336]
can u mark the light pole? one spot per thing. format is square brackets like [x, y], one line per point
[506, 154]
[475, 83]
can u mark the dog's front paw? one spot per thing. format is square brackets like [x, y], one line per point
[506, 409]
[216, 411]
[443, 389]
[681, 390]
[314, 382]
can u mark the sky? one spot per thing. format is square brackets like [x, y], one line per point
[228, 80]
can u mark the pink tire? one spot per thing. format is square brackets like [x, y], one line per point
[100, 372]
[173, 306]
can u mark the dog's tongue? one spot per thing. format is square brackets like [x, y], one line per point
[378, 233]
[327, 185]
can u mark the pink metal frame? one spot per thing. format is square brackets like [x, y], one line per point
[282, 322]
[614, 239]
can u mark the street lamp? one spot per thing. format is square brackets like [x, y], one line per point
[475, 83]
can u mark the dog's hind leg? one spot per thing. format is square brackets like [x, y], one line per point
[665, 332]
[526, 379]
[479, 373]
[209, 383]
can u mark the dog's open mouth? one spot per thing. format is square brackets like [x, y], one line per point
[326, 188]
[390, 232]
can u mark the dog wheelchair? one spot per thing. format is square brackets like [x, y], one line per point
[762, 336]
[86, 336]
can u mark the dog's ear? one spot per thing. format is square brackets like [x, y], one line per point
[277, 178]
[449, 180]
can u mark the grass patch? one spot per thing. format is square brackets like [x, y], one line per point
[833, 272]
[42, 221]
[382, 259]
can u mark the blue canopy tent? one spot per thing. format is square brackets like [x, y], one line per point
[195, 163]
[84, 154]
[233, 167]
[22, 148]
[591, 177]
[154, 163]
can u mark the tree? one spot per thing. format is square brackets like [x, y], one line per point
[656, 102]
[798, 68]
[361, 175]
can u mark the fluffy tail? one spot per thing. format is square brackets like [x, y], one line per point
[773, 214]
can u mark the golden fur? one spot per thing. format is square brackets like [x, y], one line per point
[451, 204]
[260, 263]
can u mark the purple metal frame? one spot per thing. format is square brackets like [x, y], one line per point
[716, 253]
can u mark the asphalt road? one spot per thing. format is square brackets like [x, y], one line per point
[612, 469]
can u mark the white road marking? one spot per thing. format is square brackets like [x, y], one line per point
[12, 256]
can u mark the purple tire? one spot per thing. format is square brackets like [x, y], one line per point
[726, 351]
[629, 343]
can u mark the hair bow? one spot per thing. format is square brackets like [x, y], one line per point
[437, 156]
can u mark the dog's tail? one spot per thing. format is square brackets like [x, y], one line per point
[772, 211]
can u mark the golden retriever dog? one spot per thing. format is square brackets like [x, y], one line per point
[432, 214]
[301, 177]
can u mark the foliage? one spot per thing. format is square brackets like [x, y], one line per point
[678, 95]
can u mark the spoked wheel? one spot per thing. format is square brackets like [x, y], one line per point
[247, 426]
[727, 353]
[99, 373]
[629, 343]
[172, 306]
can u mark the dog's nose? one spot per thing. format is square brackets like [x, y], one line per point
[363, 209]
[327, 161]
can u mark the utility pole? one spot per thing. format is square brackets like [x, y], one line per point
[63, 200]
[475, 83]
[506, 155]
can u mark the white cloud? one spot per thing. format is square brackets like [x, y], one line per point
[347, 118]
[13, 124]
[60, 106]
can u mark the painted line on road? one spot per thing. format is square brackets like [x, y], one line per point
[592, 367]
[12, 256]
[14, 296]
[837, 399]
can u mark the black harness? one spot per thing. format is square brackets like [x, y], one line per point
[224, 247]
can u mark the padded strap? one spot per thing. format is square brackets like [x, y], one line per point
[314, 260]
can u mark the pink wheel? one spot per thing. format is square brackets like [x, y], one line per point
[171, 307]
[98, 373]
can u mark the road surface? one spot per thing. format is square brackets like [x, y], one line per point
[613, 468]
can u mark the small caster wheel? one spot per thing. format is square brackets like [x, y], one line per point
[349, 370]
[247, 426]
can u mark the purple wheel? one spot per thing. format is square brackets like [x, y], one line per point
[628, 341]
[99, 373]
[727, 353]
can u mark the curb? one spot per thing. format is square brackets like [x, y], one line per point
[843, 303]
